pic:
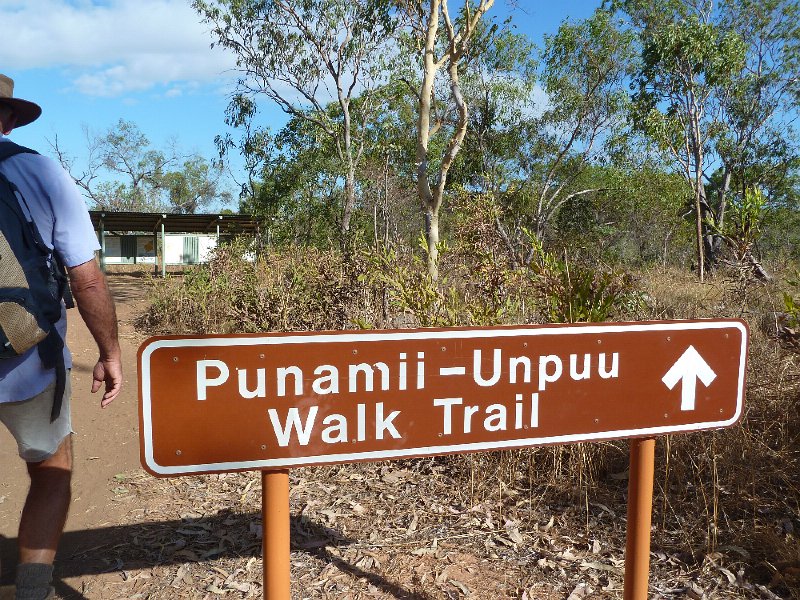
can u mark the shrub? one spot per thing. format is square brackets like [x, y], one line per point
[419, 301]
[789, 324]
[291, 290]
[574, 292]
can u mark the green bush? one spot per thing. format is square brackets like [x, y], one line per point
[575, 292]
[417, 300]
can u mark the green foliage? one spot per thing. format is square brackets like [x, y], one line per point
[634, 219]
[411, 289]
[442, 303]
[320, 61]
[498, 84]
[574, 293]
[124, 151]
[688, 61]
[126, 173]
[744, 222]
[791, 302]
[194, 185]
[758, 144]
[583, 65]
[686, 58]
[583, 70]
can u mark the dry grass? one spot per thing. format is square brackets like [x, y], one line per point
[732, 494]
[288, 291]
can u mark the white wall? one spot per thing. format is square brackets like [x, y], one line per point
[207, 244]
[173, 243]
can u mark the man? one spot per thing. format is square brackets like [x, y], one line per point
[27, 389]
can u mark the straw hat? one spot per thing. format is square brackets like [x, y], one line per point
[26, 111]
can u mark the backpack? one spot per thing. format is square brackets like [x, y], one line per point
[33, 284]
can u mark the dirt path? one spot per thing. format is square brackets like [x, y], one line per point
[396, 530]
[105, 442]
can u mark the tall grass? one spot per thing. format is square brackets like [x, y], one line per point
[737, 488]
[236, 292]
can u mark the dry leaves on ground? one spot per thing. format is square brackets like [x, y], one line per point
[388, 530]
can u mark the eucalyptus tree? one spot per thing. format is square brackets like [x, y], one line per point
[759, 108]
[532, 132]
[500, 85]
[300, 186]
[125, 151]
[583, 122]
[687, 58]
[718, 91]
[304, 54]
[124, 172]
[438, 41]
[758, 144]
[192, 184]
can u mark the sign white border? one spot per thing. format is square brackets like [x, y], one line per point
[544, 330]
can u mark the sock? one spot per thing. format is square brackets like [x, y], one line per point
[33, 581]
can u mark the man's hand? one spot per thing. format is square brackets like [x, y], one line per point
[110, 373]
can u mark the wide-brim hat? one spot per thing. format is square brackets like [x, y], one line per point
[25, 111]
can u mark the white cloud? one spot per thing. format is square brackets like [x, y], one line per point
[112, 47]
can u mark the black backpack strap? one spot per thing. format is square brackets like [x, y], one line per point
[34, 237]
[14, 206]
[9, 149]
[51, 352]
[51, 349]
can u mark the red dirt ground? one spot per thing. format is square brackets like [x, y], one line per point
[105, 442]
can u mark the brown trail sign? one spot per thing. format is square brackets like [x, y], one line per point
[273, 401]
[224, 403]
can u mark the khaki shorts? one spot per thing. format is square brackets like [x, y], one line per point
[29, 423]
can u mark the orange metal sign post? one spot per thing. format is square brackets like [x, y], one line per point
[640, 511]
[275, 401]
[275, 543]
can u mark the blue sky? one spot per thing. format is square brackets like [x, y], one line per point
[89, 63]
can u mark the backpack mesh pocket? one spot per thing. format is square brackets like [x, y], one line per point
[12, 275]
[19, 327]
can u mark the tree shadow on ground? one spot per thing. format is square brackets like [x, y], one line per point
[138, 546]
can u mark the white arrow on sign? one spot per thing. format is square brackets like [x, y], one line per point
[689, 368]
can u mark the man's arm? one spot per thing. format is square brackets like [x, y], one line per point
[96, 306]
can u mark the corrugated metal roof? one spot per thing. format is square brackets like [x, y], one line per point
[173, 223]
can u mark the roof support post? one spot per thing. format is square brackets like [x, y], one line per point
[102, 244]
[163, 248]
[155, 252]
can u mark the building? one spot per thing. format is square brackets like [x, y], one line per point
[162, 239]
